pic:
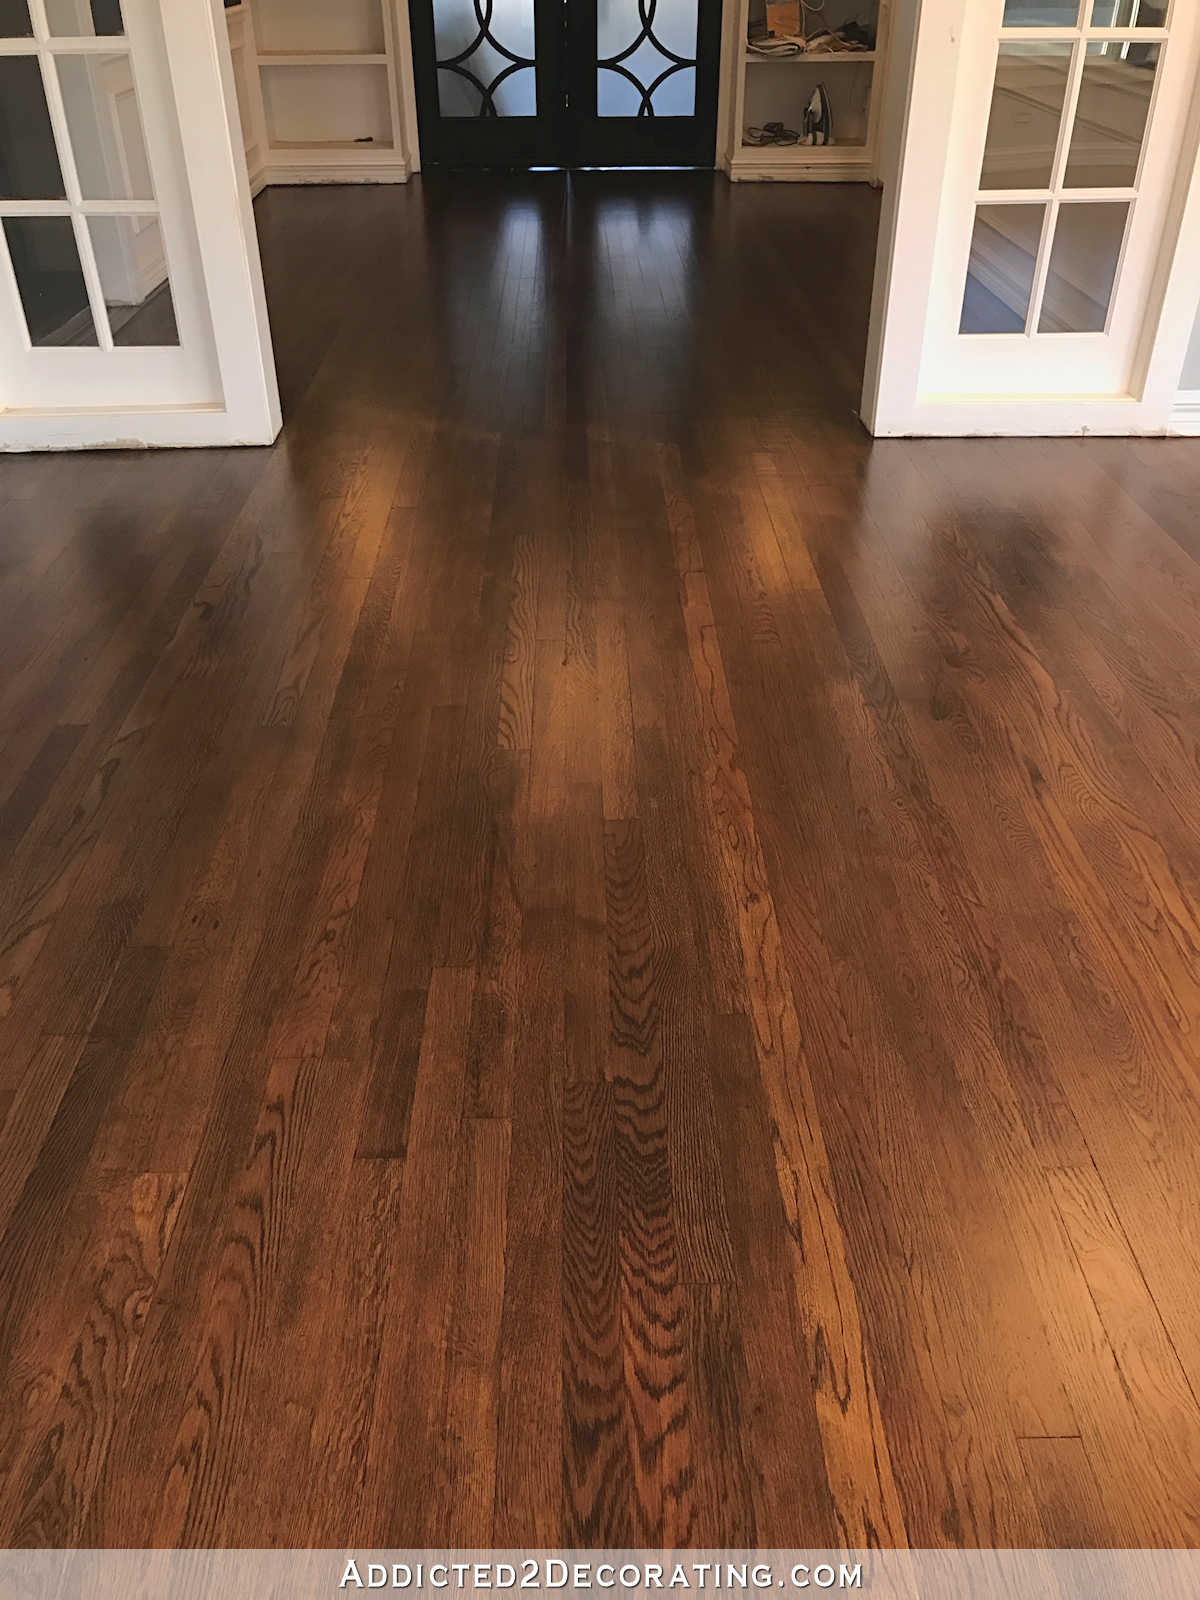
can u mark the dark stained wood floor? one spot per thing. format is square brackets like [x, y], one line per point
[587, 957]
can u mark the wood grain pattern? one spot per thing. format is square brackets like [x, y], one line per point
[586, 956]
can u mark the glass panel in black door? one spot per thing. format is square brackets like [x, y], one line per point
[654, 72]
[485, 58]
[643, 81]
[486, 81]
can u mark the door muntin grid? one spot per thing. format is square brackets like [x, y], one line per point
[57, 50]
[1100, 71]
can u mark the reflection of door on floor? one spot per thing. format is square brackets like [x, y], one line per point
[532, 82]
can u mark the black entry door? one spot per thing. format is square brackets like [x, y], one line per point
[566, 82]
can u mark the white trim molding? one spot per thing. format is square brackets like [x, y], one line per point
[1185, 418]
[185, 427]
[744, 169]
[308, 172]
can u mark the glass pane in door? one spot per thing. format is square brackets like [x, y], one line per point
[29, 168]
[105, 126]
[485, 58]
[1041, 13]
[1110, 122]
[1004, 253]
[646, 58]
[84, 19]
[1028, 97]
[134, 281]
[14, 20]
[45, 262]
[1130, 14]
[1083, 267]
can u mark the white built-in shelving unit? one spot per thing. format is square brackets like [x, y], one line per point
[762, 89]
[322, 91]
[325, 93]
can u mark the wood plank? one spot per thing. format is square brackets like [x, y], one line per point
[399, 1494]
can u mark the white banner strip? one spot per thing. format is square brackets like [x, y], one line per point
[723, 1574]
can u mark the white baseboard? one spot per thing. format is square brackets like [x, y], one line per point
[743, 169]
[175, 427]
[1185, 417]
[335, 172]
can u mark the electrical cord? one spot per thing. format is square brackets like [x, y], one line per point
[817, 9]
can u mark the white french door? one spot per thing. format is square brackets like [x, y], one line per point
[1044, 221]
[131, 300]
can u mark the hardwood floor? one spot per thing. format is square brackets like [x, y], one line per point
[588, 957]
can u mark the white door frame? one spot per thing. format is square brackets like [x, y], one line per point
[200, 69]
[925, 80]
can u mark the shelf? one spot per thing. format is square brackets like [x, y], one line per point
[819, 59]
[328, 103]
[853, 167]
[320, 58]
[766, 154]
[333, 28]
[316, 91]
[783, 96]
[289, 148]
[330, 144]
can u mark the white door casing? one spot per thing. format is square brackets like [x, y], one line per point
[153, 190]
[925, 375]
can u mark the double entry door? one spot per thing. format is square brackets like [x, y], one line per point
[566, 82]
